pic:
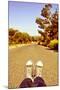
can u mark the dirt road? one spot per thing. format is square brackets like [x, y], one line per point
[20, 55]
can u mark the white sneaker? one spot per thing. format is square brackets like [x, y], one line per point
[29, 68]
[39, 67]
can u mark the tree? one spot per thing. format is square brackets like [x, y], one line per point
[16, 37]
[49, 24]
[11, 35]
[12, 31]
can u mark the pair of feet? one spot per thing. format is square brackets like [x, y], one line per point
[33, 71]
[33, 79]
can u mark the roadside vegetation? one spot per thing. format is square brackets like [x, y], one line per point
[17, 37]
[49, 26]
[48, 30]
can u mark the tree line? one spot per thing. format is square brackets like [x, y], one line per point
[17, 37]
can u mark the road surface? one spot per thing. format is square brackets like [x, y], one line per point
[20, 55]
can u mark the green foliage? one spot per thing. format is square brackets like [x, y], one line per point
[50, 26]
[12, 31]
[41, 32]
[40, 22]
[53, 44]
[17, 37]
[46, 11]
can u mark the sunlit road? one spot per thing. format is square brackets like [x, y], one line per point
[19, 56]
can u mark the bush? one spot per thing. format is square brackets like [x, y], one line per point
[54, 44]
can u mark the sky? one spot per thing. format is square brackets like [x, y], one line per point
[22, 16]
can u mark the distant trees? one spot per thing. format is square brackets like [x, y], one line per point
[11, 35]
[49, 25]
[17, 37]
